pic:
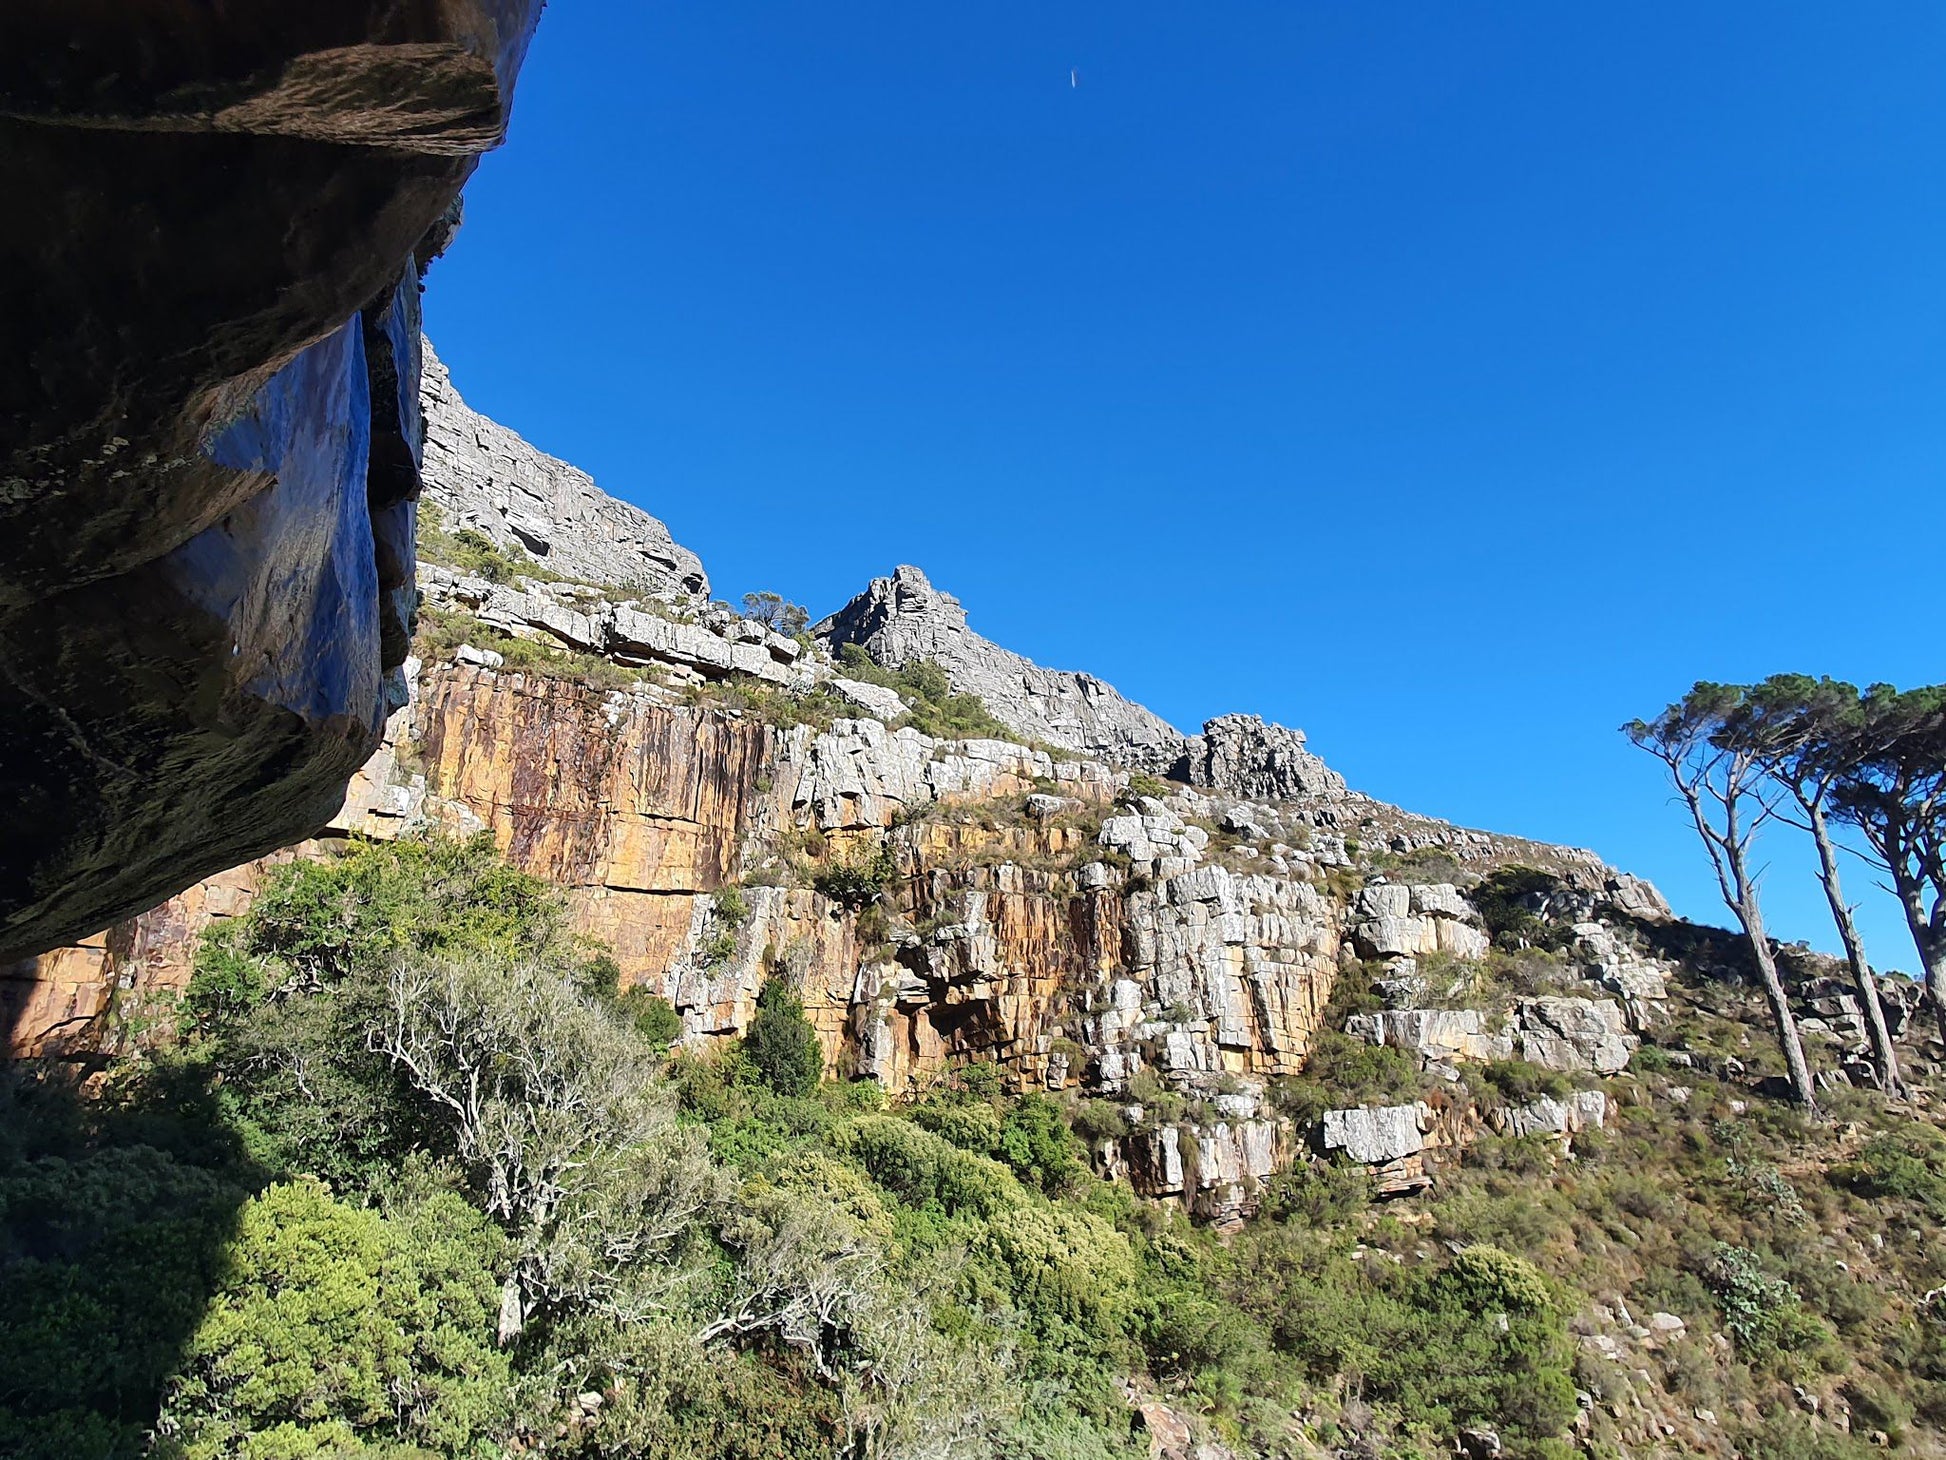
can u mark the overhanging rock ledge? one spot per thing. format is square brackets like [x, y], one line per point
[209, 419]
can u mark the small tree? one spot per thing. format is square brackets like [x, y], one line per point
[1894, 792]
[1809, 735]
[781, 1044]
[1720, 780]
[776, 613]
[557, 1115]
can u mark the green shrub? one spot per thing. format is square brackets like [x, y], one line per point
[856, 881]
[1486, 1279]
[470, 551]
[1520, 1083]
[1517, 905]
[1065, 1265]
[1318, 1194]
[925, 1170]
[336, 1325]
[1909, 1164]
[653, 1016]
[731, 907]
[780, 1044]
[1761, 1312]
[1036, 1143]
[1096, 1121]
[931, 706]
[1029, 1134]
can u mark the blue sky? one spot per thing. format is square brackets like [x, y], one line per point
[1452, 381]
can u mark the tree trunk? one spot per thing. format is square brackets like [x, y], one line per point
[1928, 937]
[1780, 1010]
[1883, 1055]
[1751, 916]
[1934, 952]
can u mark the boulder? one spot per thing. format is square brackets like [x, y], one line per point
[1170, 1436]
[1375, 1134]
[1587, 1036]
[874, 699]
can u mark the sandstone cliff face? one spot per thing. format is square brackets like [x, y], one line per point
[210, 448]
[1029, 924]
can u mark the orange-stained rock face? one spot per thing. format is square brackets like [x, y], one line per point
[93, 998]
[592, 790]
[1013, 933]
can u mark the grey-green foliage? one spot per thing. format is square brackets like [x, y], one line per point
[556, 1110]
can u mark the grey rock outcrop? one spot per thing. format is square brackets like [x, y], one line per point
[1643, 983]
[1375, 1134]
[1587, 1036]
[1216, 1169]
[903, 618]
[1246, 757]
[1440, 1034]
[483, 476]
[1401, 921]
[583, 619]
[1581, 1111]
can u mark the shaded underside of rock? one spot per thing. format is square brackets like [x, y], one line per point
[211, 447]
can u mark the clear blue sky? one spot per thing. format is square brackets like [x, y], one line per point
[1454, 381]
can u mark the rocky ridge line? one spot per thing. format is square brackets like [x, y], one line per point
[487, 478]
[903, 618]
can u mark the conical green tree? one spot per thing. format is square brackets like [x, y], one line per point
[781, 1044]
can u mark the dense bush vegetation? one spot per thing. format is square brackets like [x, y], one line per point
[419, 1179]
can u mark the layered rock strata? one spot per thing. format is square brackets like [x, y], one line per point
[903, 618]
[486, 478]
[210, 448]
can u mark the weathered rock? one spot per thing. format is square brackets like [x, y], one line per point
[1440, 1034]
[1583, 1035]
[574, 616]
[1583, 1110]
[1402, 921]
[903, 618]
[1216, 1170]
[485, 477]
[1374, 1134]
[1638, 898]
[205, 488]
[874, 699]
[1244, 756]
[1641, 982]
[1170, 1435]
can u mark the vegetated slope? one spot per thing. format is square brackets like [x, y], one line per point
[1020, 1104]
[411, 1112]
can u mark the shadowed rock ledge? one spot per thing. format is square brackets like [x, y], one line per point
[209, 419]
